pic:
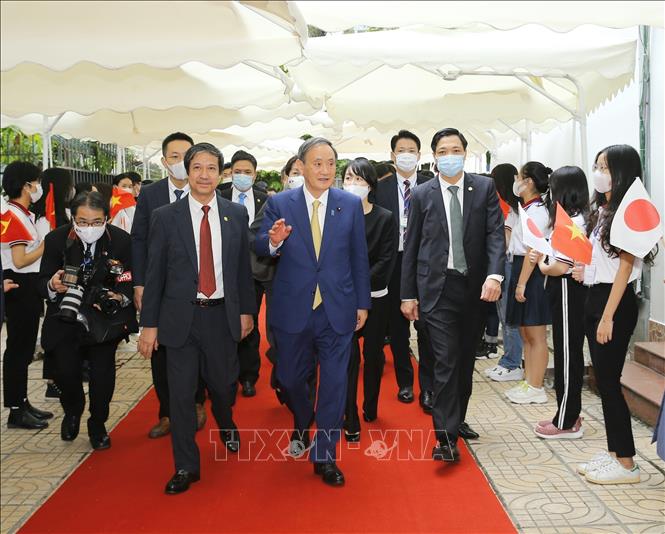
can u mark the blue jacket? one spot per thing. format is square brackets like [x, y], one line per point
[341, 272]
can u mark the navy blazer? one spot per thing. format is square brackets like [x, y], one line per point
[172, 274]
[341, 272]
[426, 249]
[151, 197]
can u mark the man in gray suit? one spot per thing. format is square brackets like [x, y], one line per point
[198, 302]
[454, 252]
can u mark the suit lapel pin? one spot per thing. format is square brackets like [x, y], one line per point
[226, 218]
[470, 188]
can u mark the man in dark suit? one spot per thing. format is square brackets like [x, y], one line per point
[454, 253]
[394, 194]
[152, 197]
[321, 295]
[198, 303]
[243, 191]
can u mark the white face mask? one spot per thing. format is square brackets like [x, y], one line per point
[37, 194]
[129, 190]
[89, 234]
[178, 170]
[359, 190]
[295, 181]
[406, 161]
[602, 182]
[518, 188]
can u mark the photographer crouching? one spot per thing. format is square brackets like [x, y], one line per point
[86, 279]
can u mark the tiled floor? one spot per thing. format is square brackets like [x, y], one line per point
[534, 479]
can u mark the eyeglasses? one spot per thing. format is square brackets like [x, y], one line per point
[88, 224]
[600, 168]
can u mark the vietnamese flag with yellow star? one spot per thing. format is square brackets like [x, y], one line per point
[12, 229]
[570, 239]
[121, 200]
[49, 207]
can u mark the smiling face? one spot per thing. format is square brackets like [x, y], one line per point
[204, 176]
[319, 169]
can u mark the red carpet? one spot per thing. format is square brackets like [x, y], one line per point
[121, 489]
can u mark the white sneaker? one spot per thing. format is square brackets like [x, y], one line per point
[597, 461]
[490, 370]
[614, 473]
[521, 385]
[529, 395]
[501, 374]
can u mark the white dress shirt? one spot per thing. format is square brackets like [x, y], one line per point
[309, 200]
[400, 200]
[172, 189]
[216, 233]
[446, 202]
[249, 201]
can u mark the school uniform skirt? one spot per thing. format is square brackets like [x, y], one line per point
[536, 310]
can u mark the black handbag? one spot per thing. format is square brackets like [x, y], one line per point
[103, 328]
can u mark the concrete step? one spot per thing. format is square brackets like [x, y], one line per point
[651, 354]
[643, 389]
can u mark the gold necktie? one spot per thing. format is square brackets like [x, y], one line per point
[316, 238]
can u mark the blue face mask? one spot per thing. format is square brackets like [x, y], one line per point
[242, 182]
[450, 165]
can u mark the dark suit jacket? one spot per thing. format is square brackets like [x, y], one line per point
[387, 194]
[263, 267]
[150, 198]
[114, 244]
[341, 271]
[259, 197]
[425, 257]
[172, 274]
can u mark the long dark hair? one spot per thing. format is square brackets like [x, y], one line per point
[624, 164]
[540, 175]
[504, 177]
[63, 182]
[568, 187]
[363, 168]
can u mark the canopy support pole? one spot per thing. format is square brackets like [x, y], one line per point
[47, 147]
[580, 116]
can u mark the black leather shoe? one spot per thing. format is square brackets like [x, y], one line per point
[352, 437]
[180, 482]
[99, 443]
[405, 395]
[24, 418]
[427, 401]
[248, 389]
[330, 473]
[300, 443]
[231, 439]
[466, 432]
[446, 453]
[70, 427]
[39, 414]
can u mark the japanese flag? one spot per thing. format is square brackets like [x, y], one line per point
[637, 225]
[531, 234]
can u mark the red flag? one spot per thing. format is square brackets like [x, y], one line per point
[12, 229]
[49, 207]
[120, 200]
[569, 239]
[505, 208]
[637, 225]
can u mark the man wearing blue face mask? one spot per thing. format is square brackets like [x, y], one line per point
[453, 255]
[243, 191]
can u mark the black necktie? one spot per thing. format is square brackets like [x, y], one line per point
[178, 193]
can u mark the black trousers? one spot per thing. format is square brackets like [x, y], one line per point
[567, 298]
[398, 329]
[23, 307]
[425, 358]
[453, 326]
[248, 348]
[160, 380]
[209, 351]
[374, 358]
[67, 365]
[608, 361]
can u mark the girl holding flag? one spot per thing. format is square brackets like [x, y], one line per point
[610, 313]
[529, 308]
[569, 215]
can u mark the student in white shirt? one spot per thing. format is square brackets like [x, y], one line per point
[568, 187]
[610, 314]
[23, 305]
[529, 308]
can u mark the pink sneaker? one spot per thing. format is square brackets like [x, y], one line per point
[549, 431]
